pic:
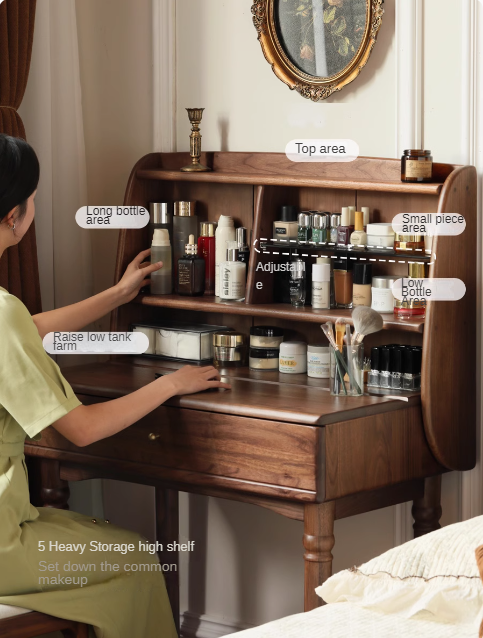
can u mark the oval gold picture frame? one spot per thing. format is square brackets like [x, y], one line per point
[313, 87]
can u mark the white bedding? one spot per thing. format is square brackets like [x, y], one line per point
[346, 620]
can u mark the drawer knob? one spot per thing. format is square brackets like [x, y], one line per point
[153, 437]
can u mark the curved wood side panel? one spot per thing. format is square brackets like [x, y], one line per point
[449, 364]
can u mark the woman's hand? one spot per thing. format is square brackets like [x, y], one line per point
[136, 276]
[191, 379]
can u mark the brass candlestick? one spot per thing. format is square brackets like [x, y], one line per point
[195, 116]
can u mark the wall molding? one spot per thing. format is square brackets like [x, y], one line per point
[203, 626]
[472, 153]
[409, 134]
[164, 75]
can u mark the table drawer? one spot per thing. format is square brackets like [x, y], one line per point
[269, 452]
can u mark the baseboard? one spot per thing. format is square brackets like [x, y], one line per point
[203, 626]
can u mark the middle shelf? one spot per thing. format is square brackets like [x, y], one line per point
[275, 310]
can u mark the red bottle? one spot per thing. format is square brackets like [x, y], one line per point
[206, 249]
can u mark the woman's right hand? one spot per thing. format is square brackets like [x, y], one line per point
[192, 379]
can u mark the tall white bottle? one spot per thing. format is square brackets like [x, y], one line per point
[225, 232]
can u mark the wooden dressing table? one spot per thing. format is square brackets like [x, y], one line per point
[281, 441]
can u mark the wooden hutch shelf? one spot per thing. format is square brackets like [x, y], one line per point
[281, 443]
[274, 311]
[219, 177]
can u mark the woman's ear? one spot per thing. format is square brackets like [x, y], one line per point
[10, 218]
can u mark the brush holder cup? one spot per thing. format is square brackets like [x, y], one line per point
[347, 371]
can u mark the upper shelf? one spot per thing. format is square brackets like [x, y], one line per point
[275, 311]
[261, 179]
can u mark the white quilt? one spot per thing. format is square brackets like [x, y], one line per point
[346, 620]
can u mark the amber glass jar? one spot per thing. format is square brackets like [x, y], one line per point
[416, 166]
[409, 243]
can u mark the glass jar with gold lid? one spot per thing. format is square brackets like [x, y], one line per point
[409, 243]
[416, 166]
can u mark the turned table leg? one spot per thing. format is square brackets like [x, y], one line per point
[167, 531]
[318, 542]
[427, 510]
[53, 492]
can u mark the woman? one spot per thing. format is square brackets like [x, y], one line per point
[42, 564]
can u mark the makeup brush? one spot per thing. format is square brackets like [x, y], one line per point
[366, 322]
[339, 378]
[340, 332]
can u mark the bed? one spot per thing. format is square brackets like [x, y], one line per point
[429, 587]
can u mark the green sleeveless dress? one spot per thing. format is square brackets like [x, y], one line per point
[50, 559]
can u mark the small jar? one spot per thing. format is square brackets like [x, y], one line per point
[293, 357]
[318, 362]
[266, 337]
[229, 349]
[382, 297]
[409, 243]
[264, 359]
[416, 166]
[380, 235]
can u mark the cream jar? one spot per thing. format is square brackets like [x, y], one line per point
[229, 349]
[264, 359]
[266, 337]
[380, 235]
[382, 297]
[293, 357]
[318, 362]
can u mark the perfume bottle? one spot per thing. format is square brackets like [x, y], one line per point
[297, 283]
[319, 227]
[358, 238]
[207, 250]
[191, 271]
[232, 275]
[185, 223]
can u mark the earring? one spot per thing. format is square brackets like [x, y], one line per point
[12, 228]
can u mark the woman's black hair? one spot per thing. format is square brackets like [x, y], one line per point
[19, 174]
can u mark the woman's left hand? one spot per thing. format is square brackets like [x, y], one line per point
[136, 276]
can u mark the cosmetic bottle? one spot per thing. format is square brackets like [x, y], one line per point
[352, 211]
[321, 286]
[334, 227]
[243, 249]
[374, 372]
[358, 238]
[362, 280]
[287, 226]
[161, 216]
[345, 229]
[380, 235]
[413, 307]
[396, 365]
[385, 367]
[225, 232]
[330, 262]
[233, 275]
[343, 283]
[412, 357]
[382, 297]
[366, 219]
[319, 228]
[185, 223]
[207, 250]
[161, 280]
[305, 228]
[297, 283]
[191, 271]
